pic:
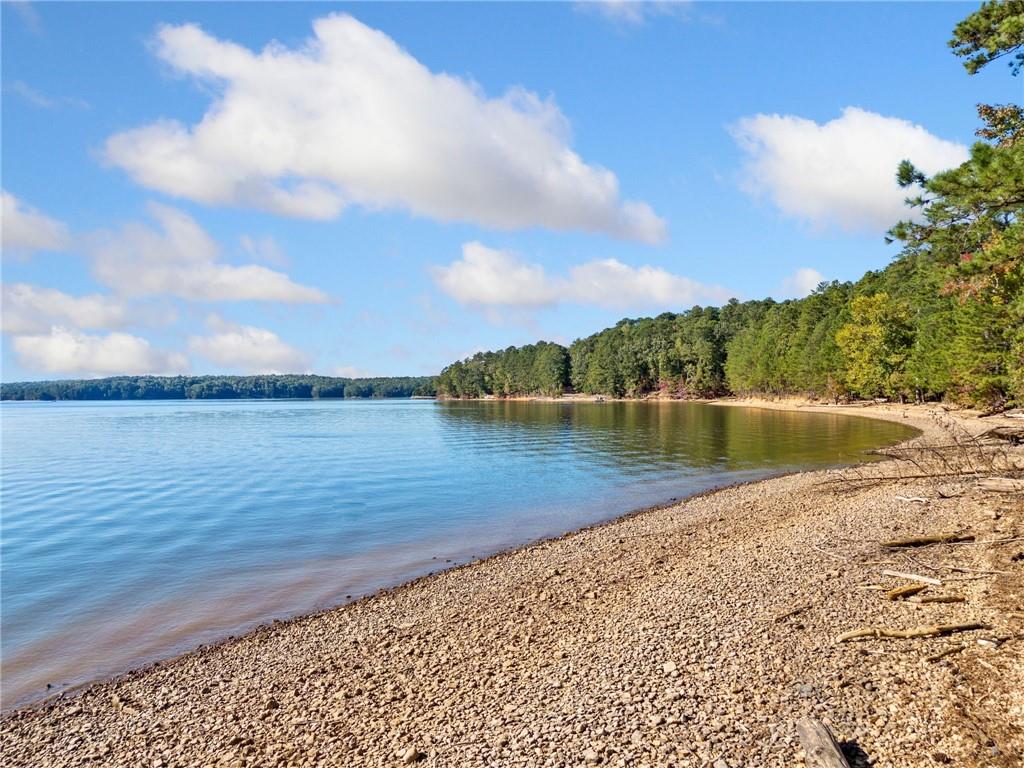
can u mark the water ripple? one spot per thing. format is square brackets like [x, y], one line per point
[135, 530]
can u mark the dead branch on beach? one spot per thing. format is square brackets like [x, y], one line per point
[948, 652]
[1001, 485]
[925, 599]
[958, 454]
[936, 630]
[935, 538]
[913, 577]
[905, 591]
[821, 750]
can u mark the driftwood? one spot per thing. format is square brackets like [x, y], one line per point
[1011, 434]
[914, 577]
[1001, 485]
[905, 591]
[948, 652]
[790, 614]
[821, 750]
[922, 541]
[938, 599]
[936, 630]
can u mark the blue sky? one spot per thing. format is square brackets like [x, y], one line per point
[365, 189]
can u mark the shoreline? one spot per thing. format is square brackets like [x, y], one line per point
[710, 508]
[66, 692]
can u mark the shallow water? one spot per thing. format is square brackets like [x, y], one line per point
[132, 531]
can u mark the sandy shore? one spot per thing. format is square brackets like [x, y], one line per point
[692, 635]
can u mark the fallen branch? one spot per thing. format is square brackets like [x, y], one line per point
[887, 478]
[792, 613]
[938, 599]
[1001, 485]
[821, 750]
[905, 591]
[1014, 434]
[836, 555]
[922, 541]
[958, 569]
[936, 630]
[945, 653]
[913, 577]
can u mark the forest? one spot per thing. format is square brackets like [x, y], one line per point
[943, 321]
[218, 387]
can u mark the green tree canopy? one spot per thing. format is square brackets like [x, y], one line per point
[995, 30]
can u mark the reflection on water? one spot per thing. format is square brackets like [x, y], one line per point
[646, 437]
[135, 530]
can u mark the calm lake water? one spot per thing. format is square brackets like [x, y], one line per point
[131, 531]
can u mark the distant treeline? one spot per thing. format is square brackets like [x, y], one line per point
[945, 320]
[218, 387]
[536, 369]
[894, 333]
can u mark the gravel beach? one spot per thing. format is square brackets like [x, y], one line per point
[690, 635]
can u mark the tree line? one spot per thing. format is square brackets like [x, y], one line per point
[219, 387]
[535, 369]
[945, 320]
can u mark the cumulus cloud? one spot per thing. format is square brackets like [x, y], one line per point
[25, 230]
[32, 309]
[66, 350]
[840, 172]
[495, 278]
[801, 283]
[487, 277]
[349, 118]
[610, 283]
[181, 260]
[246, 349]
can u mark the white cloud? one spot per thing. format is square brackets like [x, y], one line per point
[634, 12]
[349, 118]
[31, 95]
[246, 349]
[610, 283]
[349, 372]
[264, 249]
[41, 100]
[801, 283]
[28, 14]
[842, 171]
[26, 230]
[32, 309]
[487, 277]
[181, 260]
[495, 278]
[65, 350]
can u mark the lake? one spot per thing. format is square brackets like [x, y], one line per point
[132, 531]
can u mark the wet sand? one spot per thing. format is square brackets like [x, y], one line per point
[690, 635]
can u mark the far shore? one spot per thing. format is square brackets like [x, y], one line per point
[693, 634]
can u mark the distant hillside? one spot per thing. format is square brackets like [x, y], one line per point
[218, 387]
